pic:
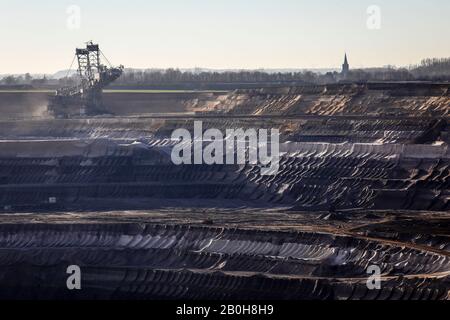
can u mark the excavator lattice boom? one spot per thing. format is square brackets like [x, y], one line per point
[85, 99]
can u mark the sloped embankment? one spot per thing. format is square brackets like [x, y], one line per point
[343, 100]
[138, 261]
[93, 174]
[364, 180]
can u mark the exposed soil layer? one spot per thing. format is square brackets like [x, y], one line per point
[243, 254]
[376, 99]
[30, 105]
[363, 181]
[351, 99]
[311, 176]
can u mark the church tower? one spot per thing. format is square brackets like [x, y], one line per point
[345, 67]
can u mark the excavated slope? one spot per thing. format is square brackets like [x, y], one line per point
[312, 176]
[364, 180]
[161, 262]
[338, 100]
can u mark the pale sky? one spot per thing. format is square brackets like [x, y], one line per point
[248, 34]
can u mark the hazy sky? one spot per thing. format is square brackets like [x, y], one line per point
[38, 36]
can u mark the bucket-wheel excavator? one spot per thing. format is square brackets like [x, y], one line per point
[85, 99]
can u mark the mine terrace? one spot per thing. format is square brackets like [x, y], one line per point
[363, 180]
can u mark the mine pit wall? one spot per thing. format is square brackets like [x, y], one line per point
[89, 165]
[19, 105]
[389, 99]
[331, 100]
[125, 104]
[334, 131]
[105, 174]
[331, 163]
[151, 261]
[29, 105]
[50, 129]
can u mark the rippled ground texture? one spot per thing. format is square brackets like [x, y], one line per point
[363, 181]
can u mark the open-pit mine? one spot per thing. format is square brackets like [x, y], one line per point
[359, 208]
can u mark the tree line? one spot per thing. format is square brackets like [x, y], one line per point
[428, 69]
[177, 76]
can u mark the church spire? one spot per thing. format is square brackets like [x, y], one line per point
[345, 67]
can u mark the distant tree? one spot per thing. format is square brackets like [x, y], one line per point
[41, 81]
[28, 78]
[432, 69]
[10, 80]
